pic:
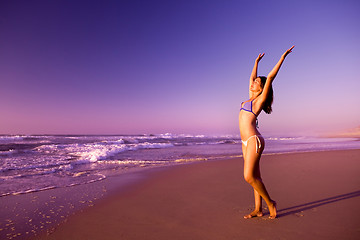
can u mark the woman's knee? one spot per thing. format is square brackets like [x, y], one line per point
[249, 178]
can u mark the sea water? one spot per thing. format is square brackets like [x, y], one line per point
[31, 163]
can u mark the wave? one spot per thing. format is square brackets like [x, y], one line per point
[60, 166]
[188, 160]
[228, 141]
[37, 163]
[11, 138]
[282, 138]
[132, 162]
[8, 152]
[90, 153]
[99, 177]
[93, 153]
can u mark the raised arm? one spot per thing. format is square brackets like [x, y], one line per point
[271, 76]
[254, 71]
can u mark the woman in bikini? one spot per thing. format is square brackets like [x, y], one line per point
[261, 97]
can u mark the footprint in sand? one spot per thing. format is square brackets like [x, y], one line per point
[299, 214]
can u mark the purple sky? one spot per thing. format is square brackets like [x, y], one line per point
[112, 67]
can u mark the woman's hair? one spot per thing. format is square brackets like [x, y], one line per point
[269, 100]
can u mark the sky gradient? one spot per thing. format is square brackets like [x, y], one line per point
[117, 67]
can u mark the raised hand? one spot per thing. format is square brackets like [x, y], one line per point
[260, 57]
[288, 51]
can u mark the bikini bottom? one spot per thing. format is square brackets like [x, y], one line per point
[258, 142]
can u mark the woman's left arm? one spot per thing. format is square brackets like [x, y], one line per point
[271, 76]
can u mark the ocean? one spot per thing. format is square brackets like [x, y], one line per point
[30, 163]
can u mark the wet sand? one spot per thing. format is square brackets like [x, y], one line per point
[317, 194]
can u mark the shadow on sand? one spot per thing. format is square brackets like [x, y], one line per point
[306, 206]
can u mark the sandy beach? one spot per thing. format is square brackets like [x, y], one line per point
[317, 194]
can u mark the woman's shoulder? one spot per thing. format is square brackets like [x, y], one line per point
[257, 104]
[260, 99]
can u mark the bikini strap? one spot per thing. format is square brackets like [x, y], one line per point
[257, 141]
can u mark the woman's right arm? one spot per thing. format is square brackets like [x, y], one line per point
[254, 71]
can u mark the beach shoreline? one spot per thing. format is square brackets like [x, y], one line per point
[204, 200]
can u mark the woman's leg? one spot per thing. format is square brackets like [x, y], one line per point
[253, 177]
[258, 207]
[258, 200]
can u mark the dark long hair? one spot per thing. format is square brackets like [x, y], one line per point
[269, 100]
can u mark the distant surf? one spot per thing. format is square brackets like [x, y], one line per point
[31, 163]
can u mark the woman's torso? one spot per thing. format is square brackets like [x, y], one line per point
[247, 120]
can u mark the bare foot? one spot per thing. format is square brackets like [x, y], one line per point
[256, 213]
[272, 209]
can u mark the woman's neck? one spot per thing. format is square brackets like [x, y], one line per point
[254, 95]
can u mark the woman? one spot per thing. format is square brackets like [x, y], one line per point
[261, 97]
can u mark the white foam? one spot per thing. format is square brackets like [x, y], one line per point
[9, 152]
[11, 138]
[281, 138]
[187, 160]
[154, 145]
[131, 162]
[99, 178]
[23, 167]
[50, 148]
[119, 141]
[90, 153]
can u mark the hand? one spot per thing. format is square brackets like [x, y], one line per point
[259, 57]
[288, 51]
